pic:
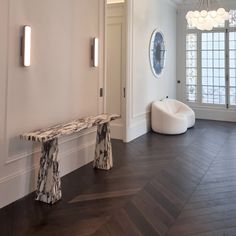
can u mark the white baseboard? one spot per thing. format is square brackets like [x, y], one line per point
[72, 155]
[215, 114]
[139, 126]
[17, 186]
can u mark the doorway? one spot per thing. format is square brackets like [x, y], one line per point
[115, 51]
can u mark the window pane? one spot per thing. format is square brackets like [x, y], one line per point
[232, 21]
[191, 42]
[233, 96]
[213, 68]
[232, 67]
[191, 67]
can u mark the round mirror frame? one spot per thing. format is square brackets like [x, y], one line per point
[157, 53]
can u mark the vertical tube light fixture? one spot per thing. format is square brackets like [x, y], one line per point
[95, 50]
[26, 45]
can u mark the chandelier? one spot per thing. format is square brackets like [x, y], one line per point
[206, 19]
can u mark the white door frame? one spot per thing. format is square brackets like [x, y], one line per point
[103, 66]
[102, 50]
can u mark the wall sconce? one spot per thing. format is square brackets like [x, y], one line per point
[26, 46]
[95, 50]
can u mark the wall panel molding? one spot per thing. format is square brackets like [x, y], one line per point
[133, 115]
[129, 67]
[137, 124]
[63, 140]
[5, 15]
[21, 183]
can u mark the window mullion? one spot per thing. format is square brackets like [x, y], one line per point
[227, 91]
[199, 68]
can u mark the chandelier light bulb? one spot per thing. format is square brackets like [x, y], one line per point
[196, 14]
[191, 14]
[213, 14]
[221, 11]
[204, 13]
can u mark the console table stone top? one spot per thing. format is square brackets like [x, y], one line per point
[44, 135]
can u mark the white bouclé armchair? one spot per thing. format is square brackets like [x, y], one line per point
[170, 116]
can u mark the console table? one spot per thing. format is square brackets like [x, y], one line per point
[49, 182]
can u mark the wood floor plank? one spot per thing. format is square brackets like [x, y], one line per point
[140, 221]
[221, 232]
[113, 194]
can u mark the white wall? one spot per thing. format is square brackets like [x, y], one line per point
[143, 17]
[201, 111]
[59, 86]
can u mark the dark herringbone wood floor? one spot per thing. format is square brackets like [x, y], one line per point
[160, 185]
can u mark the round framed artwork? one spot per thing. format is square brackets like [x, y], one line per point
[157, 53]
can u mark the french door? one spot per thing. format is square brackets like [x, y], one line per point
[211, 67]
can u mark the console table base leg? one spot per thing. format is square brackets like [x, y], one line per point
[103, 151]
[49, 182]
